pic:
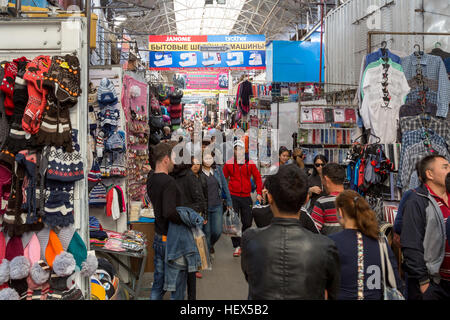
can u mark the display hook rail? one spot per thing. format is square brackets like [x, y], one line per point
[370, 33]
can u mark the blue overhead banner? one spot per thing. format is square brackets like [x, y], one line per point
[294, 61]
[212, 52]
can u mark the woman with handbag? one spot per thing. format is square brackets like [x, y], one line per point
[362, 251]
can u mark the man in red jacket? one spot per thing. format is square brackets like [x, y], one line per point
[239, 174]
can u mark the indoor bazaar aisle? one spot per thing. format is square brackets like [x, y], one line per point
[224, 282]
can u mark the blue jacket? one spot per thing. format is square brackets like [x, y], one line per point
[224, 192]
[181, 250]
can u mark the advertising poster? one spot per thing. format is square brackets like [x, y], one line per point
[237, 52]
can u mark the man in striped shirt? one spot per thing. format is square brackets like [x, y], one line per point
[324, 212]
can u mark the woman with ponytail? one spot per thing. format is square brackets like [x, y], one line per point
[359, 249]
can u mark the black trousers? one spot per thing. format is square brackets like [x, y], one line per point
[435, 291]
[191, 286]
[243, 206]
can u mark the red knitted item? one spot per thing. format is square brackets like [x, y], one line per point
[7, 84]
[37, 93]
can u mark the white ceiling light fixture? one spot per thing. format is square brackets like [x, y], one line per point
[194, 17]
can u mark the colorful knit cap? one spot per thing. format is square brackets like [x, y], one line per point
[63, 78]
[8, 82]
[37, 93]
[58, 210]
[97, 196]
[55, 129]
[106, 93]
[54, 248]
[33, 250]
[95, 174]
[65, 166]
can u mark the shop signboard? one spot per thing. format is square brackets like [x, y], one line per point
[234, 52]
[203, 80]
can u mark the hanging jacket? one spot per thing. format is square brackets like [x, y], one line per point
[181, 250]
[240, 174]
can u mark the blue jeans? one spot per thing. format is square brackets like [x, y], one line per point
[213, 228]
[158, 282]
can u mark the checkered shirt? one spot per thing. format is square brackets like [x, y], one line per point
[432, 68]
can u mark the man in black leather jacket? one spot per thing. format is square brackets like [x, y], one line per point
[284, 261]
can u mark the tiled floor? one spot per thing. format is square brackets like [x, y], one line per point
[224, 282]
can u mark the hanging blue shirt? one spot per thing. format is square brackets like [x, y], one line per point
[374, 56]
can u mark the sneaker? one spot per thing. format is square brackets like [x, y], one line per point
[198, 275]
[237, 252]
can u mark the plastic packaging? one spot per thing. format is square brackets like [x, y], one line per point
[202, 246]
[232, 224]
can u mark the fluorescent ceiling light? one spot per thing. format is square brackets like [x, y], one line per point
[193, 17]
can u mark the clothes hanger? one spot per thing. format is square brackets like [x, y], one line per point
[417, 53]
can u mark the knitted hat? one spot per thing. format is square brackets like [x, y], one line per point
[64, 264]
[104, 264]
[38, 286]
[19, 271]
[4, 125]
[2, 246]
[36, 92]
[65, 166]
[63, 78]
[8, 82]
[43, 236]
[14, 248]
[100, 144]
[9, 294]
[95, 174]
[5, 188]
[7, 159]
[53, 249]
[97, 196]
[78, 249]
[106, 93]
[4, 273]
[58, 209]
[55, 127]
[33, 250]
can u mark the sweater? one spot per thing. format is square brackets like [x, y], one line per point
[165, 197]
[239, 176]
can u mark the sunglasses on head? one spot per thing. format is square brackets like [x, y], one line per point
[319, 165]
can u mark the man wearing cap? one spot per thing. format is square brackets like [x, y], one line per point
[239, 171]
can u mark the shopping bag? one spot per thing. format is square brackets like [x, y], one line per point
[202, 246]
[390, 291]
[232, 224]
[262, 214]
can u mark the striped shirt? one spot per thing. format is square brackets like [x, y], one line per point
[445, 266]
[324, 214]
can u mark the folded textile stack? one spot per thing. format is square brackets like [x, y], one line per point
[98, 237]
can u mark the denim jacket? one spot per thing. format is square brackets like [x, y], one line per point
[181, 250]
[223, 185]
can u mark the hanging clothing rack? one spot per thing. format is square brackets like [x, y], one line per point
[371, 33]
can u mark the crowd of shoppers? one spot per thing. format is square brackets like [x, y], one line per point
[323, 242]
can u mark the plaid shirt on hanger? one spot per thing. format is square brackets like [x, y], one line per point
[440, 127]
[414, 154]
[432, 68]
[410, 138]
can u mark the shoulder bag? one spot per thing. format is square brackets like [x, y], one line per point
[390, 291]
